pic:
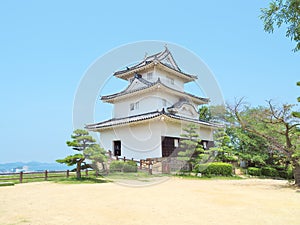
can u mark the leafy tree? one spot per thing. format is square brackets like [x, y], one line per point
[275, 125]
[297, 114]
[205, 113]
[223, 148]
[191, 149]
[212, 113]
[282, 12]
[249, 147]
[97, 156]
[85, 144]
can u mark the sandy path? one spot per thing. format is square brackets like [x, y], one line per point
[176, 201]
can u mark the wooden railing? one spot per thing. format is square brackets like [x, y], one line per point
[45, 175]
[157, 165]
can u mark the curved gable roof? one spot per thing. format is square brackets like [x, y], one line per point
[149, 87]
[164, 59]
[108, 124]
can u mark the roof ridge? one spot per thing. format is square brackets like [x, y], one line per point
[152, 113]
[144, 81]
[160, 57]
[132, 91]
[153, 84]
[145, 116]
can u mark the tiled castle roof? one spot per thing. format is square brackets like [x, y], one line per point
[149, 85]
[146, 116]
[163, 58]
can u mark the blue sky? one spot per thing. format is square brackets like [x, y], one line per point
[46, 47]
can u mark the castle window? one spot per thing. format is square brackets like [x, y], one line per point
[149, 76]
[137, 105]
[131, 106]
[134, 106]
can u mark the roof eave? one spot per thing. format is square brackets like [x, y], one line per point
[185, 77]
[197, 100]
[165, 117]
[126, 74]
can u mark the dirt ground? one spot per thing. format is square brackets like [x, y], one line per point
[176, 201]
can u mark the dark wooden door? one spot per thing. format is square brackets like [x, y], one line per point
[167, 146]
[117, 148]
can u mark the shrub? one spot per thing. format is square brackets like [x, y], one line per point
[121, 166]
[116, 166]
[286, 174]
[269, 172]
[253, 171]
[216, 168]
[130, 166]
[290, 173]
[283, 174]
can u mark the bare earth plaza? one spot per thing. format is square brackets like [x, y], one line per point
[176, 201]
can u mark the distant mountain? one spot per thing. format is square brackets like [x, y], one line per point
[32, 166]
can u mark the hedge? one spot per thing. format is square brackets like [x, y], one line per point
[216, 168]
[253, 171]
[130, 166]
[269, 172]
[121, 166]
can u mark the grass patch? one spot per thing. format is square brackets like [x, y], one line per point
[209, 177]
[6, 184]
[83, 180]
[130, 176]
[140, 176]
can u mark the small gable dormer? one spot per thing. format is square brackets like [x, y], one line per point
[137, 82]
[184, 107]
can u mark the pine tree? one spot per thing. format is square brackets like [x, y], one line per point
[223, 148]
[85, 145]
[191, 149]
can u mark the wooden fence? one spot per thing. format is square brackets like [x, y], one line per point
[159, 165]
[143, 164]
[45, 175]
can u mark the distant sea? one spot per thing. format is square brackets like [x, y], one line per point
[32, 166]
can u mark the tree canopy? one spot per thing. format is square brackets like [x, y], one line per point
[275, 131]
[282, 12]
[191, 149]
[297, 114]
[85, 144]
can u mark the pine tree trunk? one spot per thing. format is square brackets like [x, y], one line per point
[297, 174]
[78, 170]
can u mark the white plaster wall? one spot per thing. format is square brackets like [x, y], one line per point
[144, 140]
[163, 75]
[176, 129]
[154, 75]
[148, 102]
[138, 142]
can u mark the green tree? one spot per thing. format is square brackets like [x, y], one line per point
[205, 113]
[249, 147]
[297, 114]
[85, 144]
[96, 155]
[212, 113]
[282, 12]
[276, 125]
[191, 149]
[224, 149]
